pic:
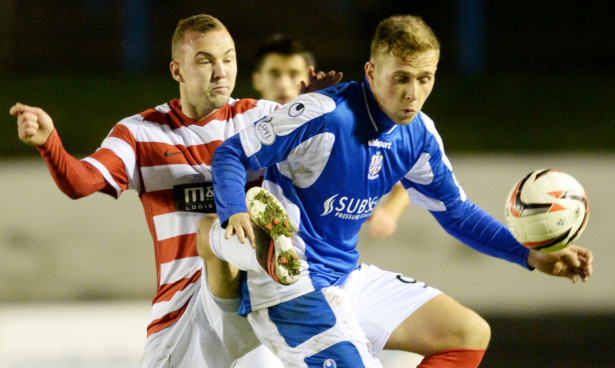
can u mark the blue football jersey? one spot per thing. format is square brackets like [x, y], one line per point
[330, 157]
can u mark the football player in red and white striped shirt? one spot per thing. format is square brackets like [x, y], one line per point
[165, 154]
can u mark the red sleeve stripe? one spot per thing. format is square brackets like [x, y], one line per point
[158, 115]
[106, 174]
[123, 131]
[127, 154]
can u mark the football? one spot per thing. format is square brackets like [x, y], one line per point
[547, 210]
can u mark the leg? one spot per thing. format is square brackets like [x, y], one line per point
[440, 324]
[445, 332]
[223, 279]
[399, 312]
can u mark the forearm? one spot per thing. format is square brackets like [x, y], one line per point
[479, 230]
[397, 202]
[75, 178]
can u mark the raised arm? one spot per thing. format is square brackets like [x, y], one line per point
[75, 178]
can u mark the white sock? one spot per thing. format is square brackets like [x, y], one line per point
[231, 250]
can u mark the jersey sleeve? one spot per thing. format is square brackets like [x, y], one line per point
[102, 171]
[431, 184]
[116, 159]
[75, 178]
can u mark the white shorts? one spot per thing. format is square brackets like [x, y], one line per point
[207, 335]
[343, 326]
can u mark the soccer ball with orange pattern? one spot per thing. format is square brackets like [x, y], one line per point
[547, 210]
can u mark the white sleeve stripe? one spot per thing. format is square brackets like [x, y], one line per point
[124, 151]
[105, 173]
[249, 141]
[180, 298]
[179, 269]
[419, 199]
[173, 224]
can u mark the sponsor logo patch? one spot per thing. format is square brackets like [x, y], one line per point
[349, 208]
[265, 132]
[194, 197]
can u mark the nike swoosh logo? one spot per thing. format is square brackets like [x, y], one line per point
[169, 154]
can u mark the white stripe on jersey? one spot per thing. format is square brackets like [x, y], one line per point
[105, 173]
[431, 127]
[173, 224]
[419, 199]
[165, 176]
[307, 161]
[421, 172]
[126, 153]
[303, 109]
[288, 118]
[178, 300]
[179, 269]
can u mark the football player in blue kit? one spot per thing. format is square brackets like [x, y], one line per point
[330, 157]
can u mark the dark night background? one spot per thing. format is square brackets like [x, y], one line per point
[515, 77]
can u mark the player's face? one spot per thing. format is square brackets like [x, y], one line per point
[207, 70]
[279, 77]
[401, 87]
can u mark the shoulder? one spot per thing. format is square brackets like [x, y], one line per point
[156, 115]
[240, 106]
[426, 121]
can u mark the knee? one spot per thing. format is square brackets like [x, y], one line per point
[475, 334]
[202, 236]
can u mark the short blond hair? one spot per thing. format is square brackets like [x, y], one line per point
[201, 23]
[403, 36]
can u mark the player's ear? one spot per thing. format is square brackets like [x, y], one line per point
[369, 71]
[176, 71]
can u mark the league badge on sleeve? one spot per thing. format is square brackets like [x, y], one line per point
[265, 132]
[375, 166]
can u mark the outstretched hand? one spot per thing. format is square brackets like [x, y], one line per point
[320, 80]
[240, 225]
[34, 126]
[571, 262]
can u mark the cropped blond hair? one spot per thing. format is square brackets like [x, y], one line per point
[403, 36]
[200, 23]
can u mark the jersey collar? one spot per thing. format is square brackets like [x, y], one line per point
[219, 114]
[381, 122]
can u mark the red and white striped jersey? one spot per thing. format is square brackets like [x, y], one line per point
[166, 157]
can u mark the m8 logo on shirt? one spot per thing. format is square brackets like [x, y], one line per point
[194, 197]
[349, 208]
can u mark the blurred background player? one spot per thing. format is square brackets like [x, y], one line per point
[281, 66]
